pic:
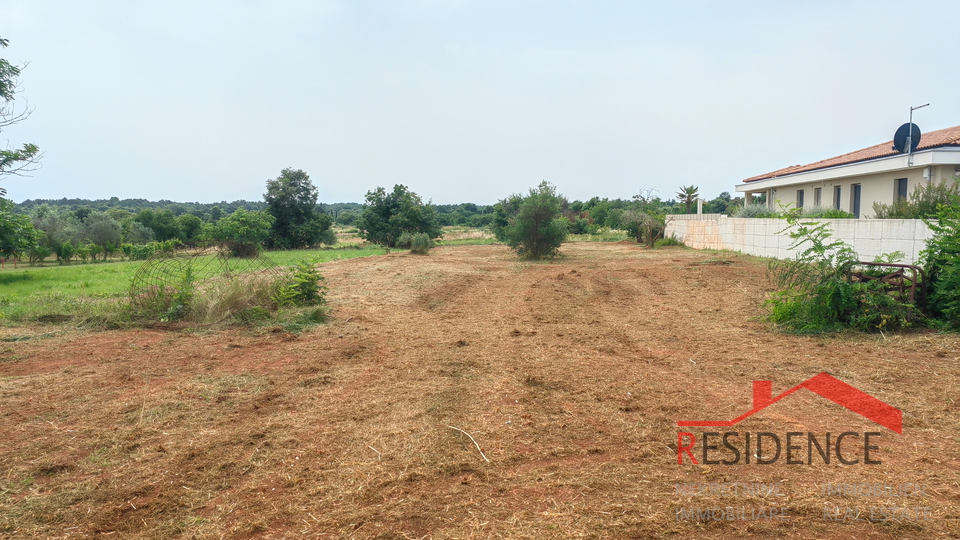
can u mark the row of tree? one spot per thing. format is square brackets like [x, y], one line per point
[290, 217]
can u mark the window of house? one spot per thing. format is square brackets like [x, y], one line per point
[855, 200]
[799, 198]
[817, 199]
[901, 189]
[836, 197]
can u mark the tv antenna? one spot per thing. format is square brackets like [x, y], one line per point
[907, 138]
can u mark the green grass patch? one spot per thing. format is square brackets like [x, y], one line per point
[607, 236]
[467, 242]
[96, 294]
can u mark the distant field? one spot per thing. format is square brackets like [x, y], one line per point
[35, 292]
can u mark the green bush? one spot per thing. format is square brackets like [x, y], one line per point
[825, 212]
[815, 291]
[303, 287]
[386, 216]
[670, 241]
[242, 232]
[141, 252]
[420, 243]
[755, 210]
[643, 226]
[941, 262]
[923, 202]
[531, 225]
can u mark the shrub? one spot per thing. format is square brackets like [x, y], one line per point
[669, 241]
[816, 293]
[922, 203]
[825, 212]
[303, 287]
[242, 232]
[755, 210]
[141, 252]
[643, 226]
[421, 244]
[65, 252]
[386, 216]
[531, 225]
[578, 226]
[941, 262]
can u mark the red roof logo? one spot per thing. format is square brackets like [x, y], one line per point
[824, 385]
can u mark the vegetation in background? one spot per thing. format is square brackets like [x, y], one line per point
[386, 216]
[95, 296]
[533, 225]
[688, 195]
[923, 202]
[642, 226]
[242, 232]
[825, 212]
[755, 210]
[761, 210]
[815, 292]
[419, 243]
[292, 201]
[17, 234]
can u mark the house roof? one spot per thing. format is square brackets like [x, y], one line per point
[941, 137]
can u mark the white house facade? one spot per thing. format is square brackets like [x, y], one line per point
[854, 181]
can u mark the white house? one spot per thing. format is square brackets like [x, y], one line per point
[854, 181]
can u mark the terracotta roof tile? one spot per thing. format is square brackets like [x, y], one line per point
[942, 137]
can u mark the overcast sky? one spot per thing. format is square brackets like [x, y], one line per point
[463, 101]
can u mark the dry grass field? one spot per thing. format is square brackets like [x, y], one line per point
[570, 376]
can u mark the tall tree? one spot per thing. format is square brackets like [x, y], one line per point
[13, 161]
[103, 231]
[17, 234]
[688, 195]
[292, 200]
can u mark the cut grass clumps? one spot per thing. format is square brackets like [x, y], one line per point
[667, 242]
[213, 287]
[206, 287]
[98, 296]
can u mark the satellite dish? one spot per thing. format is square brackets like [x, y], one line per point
[900, 138]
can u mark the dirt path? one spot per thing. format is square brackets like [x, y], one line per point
[570, 376]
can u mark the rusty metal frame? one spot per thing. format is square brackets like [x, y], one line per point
[915, 294]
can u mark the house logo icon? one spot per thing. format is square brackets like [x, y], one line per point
[824, 385]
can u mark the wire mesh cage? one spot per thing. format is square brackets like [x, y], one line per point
[208, 284]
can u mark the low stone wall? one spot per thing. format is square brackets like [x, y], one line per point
[764, 237]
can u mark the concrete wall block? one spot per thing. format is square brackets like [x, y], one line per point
[898, 229]
[868, 249]
[843, 228]
[870, 229]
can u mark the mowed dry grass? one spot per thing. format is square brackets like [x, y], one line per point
[570, 375]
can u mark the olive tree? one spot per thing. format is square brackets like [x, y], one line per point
[533, 225]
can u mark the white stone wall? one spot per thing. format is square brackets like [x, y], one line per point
[764, 237]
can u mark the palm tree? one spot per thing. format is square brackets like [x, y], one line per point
[688, 195]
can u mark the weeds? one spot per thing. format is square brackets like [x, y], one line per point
[670, 241]
[816, 293]
[304, 287]
[941, 261]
